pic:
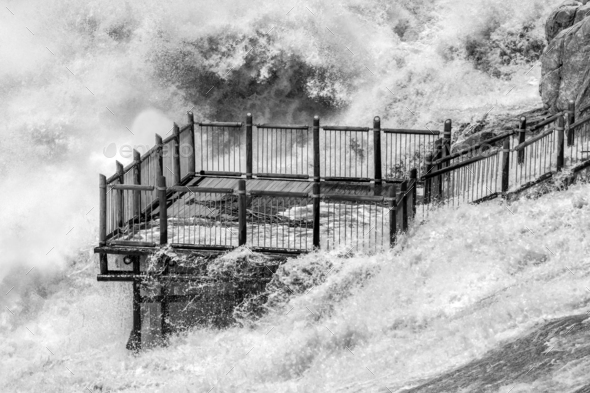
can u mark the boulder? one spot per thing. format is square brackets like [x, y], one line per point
[470, 134]
[472, 140]
[561, 18]
[565, 68]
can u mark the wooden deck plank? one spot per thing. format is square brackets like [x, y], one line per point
[182, 208]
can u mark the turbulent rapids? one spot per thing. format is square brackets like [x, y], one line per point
[489, 298]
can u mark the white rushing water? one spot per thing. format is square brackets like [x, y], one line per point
[81, 80]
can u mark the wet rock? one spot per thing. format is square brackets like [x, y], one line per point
[561, 18]
[565, 69]
[533, 361]
[470, 134]
[472, 140]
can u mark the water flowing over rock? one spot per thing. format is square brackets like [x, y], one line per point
[565, 68]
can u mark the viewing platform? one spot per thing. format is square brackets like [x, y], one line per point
[283, 190]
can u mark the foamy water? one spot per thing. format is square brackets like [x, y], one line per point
[459, 285]
[78, 78]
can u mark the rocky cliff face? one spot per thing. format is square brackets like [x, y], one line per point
[565, 66]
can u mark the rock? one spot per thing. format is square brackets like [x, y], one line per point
[565, 68]
[470, 134]
[472, 140]
[561, 18]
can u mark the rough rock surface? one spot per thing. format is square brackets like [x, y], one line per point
[565, 66]
[470, 134]
[531, 363]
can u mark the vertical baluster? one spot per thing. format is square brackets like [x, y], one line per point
[316, 214]
[176, 155]
[506, 165]
[377, 154]
[191, 141]
[242, 204]
[560, 143]
[163, 210]
[120, 200]
[316, 149]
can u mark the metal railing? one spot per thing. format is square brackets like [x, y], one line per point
[212, 218]
[333, 152]
[520, 163]
[346, 153]
[406, 149]
[220, 148]
[280, 220]
[282, 151]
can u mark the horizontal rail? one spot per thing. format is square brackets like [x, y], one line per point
[280, 175]
[487, 198]
[221, 124]
[530, 184]
[116, 176]
[133, 187]
[285, 194]
[169, 139]
[131, 243]
[128, 276]
[352, 198]
[202, 190]
[546, 121]
[350, 179]
[580, 122]
[475, 147]
[148, 153]
[345, 128]
[283, 251]
[201, 247]
[582, 166]
[532, 140]
[185, 128]
[458, 165]
[410, 131]
[284, 126]
[219, 173]
[129, 166]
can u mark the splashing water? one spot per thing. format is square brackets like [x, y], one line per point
[81, 81]
[457, 286]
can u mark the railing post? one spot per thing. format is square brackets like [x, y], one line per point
[560, 148]
[120, 198]
[191, 141]
[506, 165]
[440, 178]
[165, 305]
[428, 181]
[163, 210]
[134, 343]
[316, 148]
[571, 119]
[176, 155]
[102, 203]
[102, 219]
[136, 180]
[242, 199]
[377, 154]
[249, 169]
[414, 185]
[160, 162]
[316, 214]
[404, 191]
[521, 138]
[446, 148]
[392, 215]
